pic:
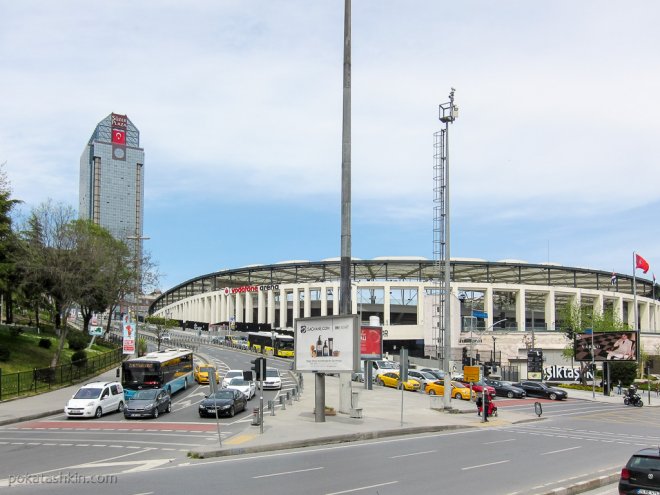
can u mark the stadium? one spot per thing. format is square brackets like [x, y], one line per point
[498, 309]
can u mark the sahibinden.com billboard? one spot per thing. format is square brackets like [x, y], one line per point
[327, 344]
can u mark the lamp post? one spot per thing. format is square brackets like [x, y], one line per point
[137, 238]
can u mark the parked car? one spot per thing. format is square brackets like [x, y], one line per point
[166, 337]
[357, 376]
[391, 379]
[272, 379]
[423, 377]
[540, 389]
[95, 399]
[506, 389]
[641, 473]
[247, 387]
[438, 373]
[229, 375]
[478, 387]
[226, 402]
[458, 390]
[148, 403]
[203, 372]
[381, 366]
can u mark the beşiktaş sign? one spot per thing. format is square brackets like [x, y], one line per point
[564, 374]
[250, 288]
[327, 344]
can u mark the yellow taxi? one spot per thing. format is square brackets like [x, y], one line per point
[458, 390]
[201, 373]
[391, 379]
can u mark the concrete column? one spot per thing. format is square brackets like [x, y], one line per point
[644, 316]
[231, 299]
[224, 316]
[283, 309]
[520, 309]
[249, 306]
[550, 310]
[354, 299]
[240, 305]
[261, 306]
[598, 304]
[307, 303]
[270, 311]
[296, 304]
[335, 300]
[631, 313]
[618, 307]
[324, 300]
[488, 306]
[387, 299]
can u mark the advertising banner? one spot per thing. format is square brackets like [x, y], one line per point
[129, 335]
[607, 346]
[327, 344]
[371, 342]
[95, 327]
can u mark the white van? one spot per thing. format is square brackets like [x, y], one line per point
[95, 399]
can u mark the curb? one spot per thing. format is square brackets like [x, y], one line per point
[30, 417]
[587, 485]
[311, 442]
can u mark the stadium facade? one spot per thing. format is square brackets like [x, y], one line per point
[512, 301]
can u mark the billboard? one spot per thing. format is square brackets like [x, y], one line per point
[607, 346]
[129, 335]
[371, 342]
[327, 344]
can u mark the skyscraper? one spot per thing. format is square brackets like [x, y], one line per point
[112, 179]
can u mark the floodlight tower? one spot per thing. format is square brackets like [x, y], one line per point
[442, 321]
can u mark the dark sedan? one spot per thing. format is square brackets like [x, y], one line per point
[227, 402]
[148, 403]
[539, 389]
[506, 389]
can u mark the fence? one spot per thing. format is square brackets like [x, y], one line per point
[44, 379]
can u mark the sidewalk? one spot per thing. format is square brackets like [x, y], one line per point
[38, 406]
[295, 427]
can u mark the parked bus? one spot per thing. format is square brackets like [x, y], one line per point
[171, 369]
[273, 344]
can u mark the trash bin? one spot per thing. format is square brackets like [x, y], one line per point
[256, 419]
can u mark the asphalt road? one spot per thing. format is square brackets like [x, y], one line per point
[578, 440]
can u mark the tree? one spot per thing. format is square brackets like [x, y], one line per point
[8, 244]
[161, 326]
[50, 259]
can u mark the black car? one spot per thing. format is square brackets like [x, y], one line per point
[642, 473]
[506, 389]
[148, 403]
[227, 402]
[539, 389]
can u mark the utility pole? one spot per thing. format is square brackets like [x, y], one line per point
[137, 239]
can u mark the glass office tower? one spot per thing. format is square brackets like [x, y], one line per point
[112, 180]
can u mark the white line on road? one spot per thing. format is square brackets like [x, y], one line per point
[286, 472]
[363, 488]
[414, 453]
[484, 465]
[501, 441]
[562, 450]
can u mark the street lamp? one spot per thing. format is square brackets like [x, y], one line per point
[493, 336]
[138, 280]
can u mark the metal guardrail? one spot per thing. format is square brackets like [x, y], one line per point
[41, 380]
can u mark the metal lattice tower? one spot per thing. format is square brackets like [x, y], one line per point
[439, 241]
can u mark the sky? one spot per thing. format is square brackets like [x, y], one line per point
[553, 156]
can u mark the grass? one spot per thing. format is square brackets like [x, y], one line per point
[26, 353]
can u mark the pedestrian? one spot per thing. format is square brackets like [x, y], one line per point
[486, 406]
[618, 387]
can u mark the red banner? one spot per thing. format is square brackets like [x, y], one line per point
[371, 342]
[118, 137]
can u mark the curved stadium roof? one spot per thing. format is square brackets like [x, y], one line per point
[405, 269]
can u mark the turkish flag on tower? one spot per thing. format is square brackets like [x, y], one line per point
[641, 263]
[118, 137]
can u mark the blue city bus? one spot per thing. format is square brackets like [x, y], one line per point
[171, 369]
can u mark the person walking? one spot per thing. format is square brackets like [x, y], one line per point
[618, 387]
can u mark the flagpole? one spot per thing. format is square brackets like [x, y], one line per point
[635, 293]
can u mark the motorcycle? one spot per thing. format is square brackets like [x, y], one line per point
[633, 400]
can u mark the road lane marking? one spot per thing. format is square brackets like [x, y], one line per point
[414, 453]
[286, 472]
[562, 450]
[501, 441]
[363, 488]
[484, 465]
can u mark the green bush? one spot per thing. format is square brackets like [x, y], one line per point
[79, 359]
[45, 343]
[77, 340]
[4, 354]
[15, 331]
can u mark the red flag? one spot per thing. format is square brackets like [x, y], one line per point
[118, 137]
[641, 263]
